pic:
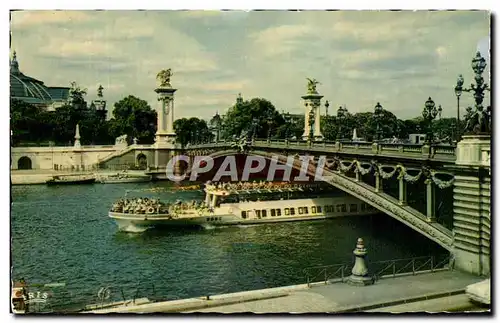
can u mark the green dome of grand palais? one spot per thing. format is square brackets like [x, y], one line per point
[33, 91]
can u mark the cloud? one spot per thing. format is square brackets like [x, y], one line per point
[360, 57]
[30, 19]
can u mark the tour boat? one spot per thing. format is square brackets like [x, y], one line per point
[240, 204]
[124, 178]
[71, 179]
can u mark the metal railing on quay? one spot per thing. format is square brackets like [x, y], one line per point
[379, 269]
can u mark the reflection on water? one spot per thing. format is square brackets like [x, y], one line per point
[63, 234]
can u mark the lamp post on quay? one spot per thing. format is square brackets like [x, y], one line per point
[378, 114]
[326, 107]
[341, 116]
[430, 113]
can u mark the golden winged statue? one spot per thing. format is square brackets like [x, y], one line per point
[311, 85]
[163, 77]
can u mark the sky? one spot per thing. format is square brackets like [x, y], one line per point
[359, 57]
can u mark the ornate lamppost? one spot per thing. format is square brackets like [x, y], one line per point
[216, 122]
[269, 123]
[341, 116]
[255, 124]
[430, 113]
[287, 118]
[326, 107]
[378, 114]
[458, 92]
[478, 121]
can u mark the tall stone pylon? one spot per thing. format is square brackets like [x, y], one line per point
[165, 135]
[312, 104]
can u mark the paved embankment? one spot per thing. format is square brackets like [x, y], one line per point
[320, 298]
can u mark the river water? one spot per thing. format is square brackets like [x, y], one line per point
[63, 234]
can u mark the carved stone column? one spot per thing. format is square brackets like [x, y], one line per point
[431, 201]
[378, 183]
[402, 191]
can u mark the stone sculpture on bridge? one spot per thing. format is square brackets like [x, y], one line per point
[311, 86]
[121, 140]
[163, 78]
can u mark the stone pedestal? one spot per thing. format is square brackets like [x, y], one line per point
[360, 276]
[472, 205]
[312, 101]
[474, 150]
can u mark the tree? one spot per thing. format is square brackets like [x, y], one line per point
[25, 122]
[77, 96]
[192, 130]
[135, 118]
[258, 116]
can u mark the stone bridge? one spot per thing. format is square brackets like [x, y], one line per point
[335, 173]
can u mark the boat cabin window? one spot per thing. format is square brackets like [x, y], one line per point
[278, 212]
[353, 208]
[306, 211]
[344, 207]
[287, 211]
[264, 213]
[300, 210]
[257, 212]
[244, 214]
[313, 209]
[273, 212]
[318, 209]
[339, 208]
[329, 209]
[292, 211]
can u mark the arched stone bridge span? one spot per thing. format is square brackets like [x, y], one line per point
[334, 174]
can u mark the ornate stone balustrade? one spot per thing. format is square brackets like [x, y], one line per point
[442, 153]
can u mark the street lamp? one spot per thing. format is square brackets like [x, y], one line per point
[378, 114]
[478, 65]
[341, 115]
[216, 122]
[430, 113]
[255, 123]
[287, 118]
[269, 123]
[458, 92]
[326, 107]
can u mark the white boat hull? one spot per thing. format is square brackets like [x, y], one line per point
[125, 180]
[229, 214]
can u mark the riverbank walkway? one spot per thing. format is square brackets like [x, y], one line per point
[435, 292]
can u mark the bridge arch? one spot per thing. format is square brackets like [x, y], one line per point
[366, 193]
[24, 163]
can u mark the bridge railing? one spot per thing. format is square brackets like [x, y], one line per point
[413, 150]
[380, 269]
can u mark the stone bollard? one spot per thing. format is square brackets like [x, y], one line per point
[360, 276]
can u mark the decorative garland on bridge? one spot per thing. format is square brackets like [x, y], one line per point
[440, 183]
[362, 170]
[385, 175]
[409, 178]
[345, 168]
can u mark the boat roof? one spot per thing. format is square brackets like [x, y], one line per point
[226, 189]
